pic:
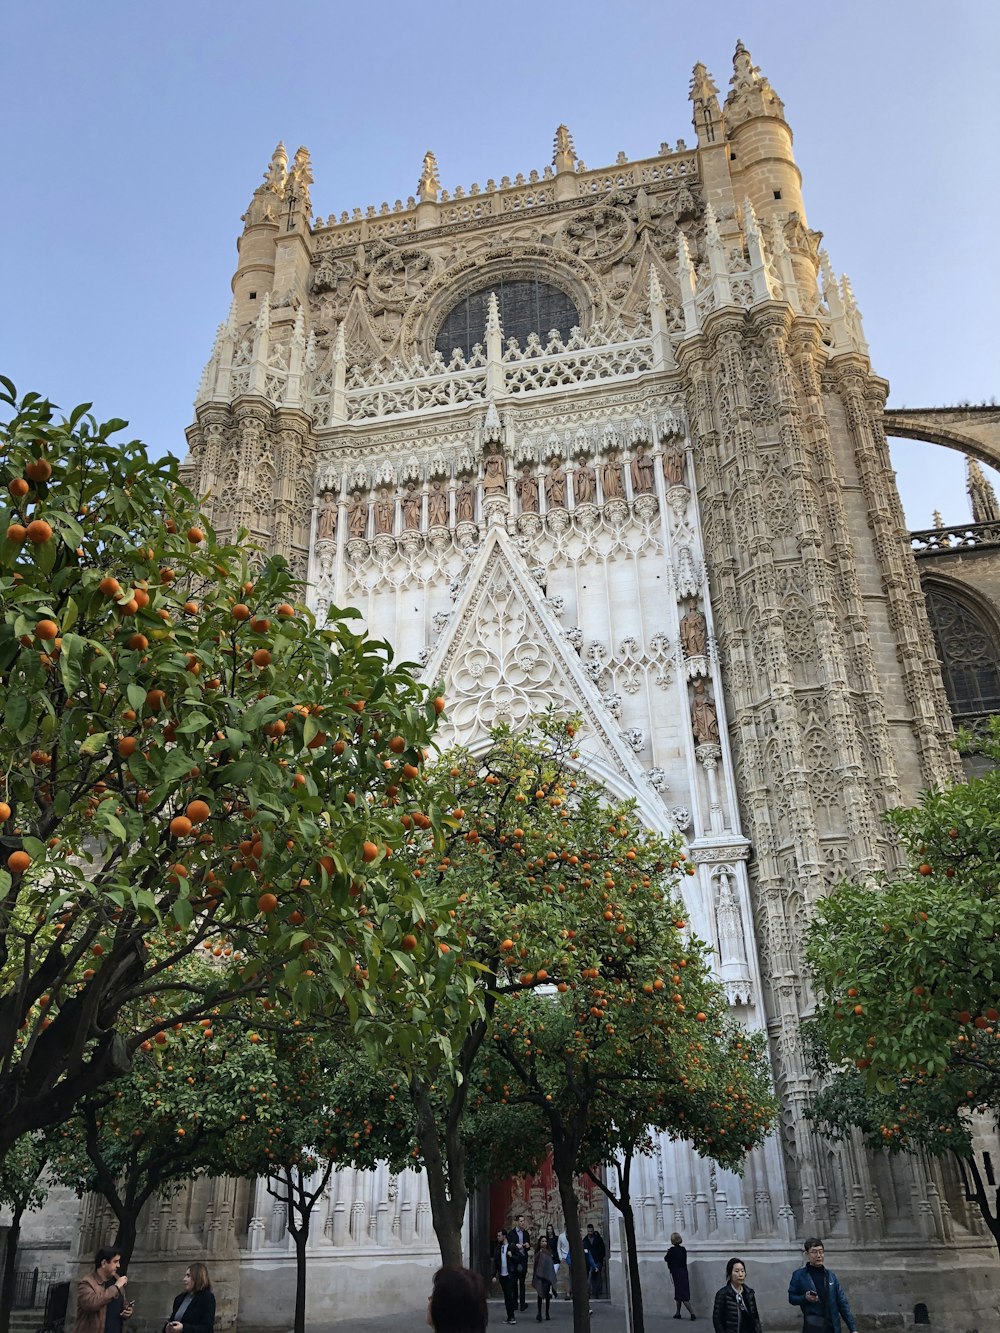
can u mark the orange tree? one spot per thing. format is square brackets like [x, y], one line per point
[641, 1042]
[23, 1188]
[187, 760]
[169, 1119]
[553, 883]
[328, 1107]
[908, 1019]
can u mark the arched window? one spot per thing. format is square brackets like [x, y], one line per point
[969, 650]
[527, 305]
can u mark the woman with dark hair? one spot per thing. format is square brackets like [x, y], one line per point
[735, 1309]
[676, 1259]
[543, 1278]
[457, 1303]
[194, 1308]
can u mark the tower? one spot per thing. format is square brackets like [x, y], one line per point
[611, 440]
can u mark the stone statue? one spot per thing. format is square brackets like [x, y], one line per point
[584, 482]
[704, 720]
[495, 474]
[611, 477]
[694, 633]
[357, 515]
[411, 509]
[326, 521]
[527, 490]
[465, 501]
[384, 511]
[642, 472]
[673, 466]
[555, 487]
[437, 506]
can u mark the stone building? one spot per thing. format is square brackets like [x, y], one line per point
[611, 440]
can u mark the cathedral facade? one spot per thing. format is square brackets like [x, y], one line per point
[611, 441]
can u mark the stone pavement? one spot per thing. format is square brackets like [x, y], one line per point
[608, 1317]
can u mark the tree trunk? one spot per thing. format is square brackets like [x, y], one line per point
[563, 1160]
[448, 1195]
[628, 1217]
[301, 1237]
[126, 1235]
[976, 1192]
[9, 1269]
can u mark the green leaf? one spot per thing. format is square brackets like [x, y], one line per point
[95, 744]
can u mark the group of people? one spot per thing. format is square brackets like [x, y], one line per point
[813, 1287]
[103, 1307]
[550, 1266]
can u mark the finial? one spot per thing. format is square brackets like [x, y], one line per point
[264, 313]
[299, 329]
[712, 234]
[750, 93]
[429, 183]
[563, 153]
[853, 314]
[493, 315]
[277, 170]
[655, 290]
[492, 426]
[985, 508]
[300, 177]
[702, 84]
[938, 520]
[339, 348]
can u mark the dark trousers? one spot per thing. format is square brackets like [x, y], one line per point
[547, 1298]
[519, 1279]
[508, 1285]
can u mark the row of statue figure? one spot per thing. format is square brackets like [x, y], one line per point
[561, 488]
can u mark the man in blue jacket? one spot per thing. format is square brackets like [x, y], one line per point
[819, 1293]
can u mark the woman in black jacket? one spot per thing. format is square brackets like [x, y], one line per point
[735, 1309]
[194, 1308]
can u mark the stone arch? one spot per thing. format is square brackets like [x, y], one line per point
[966, 629]
[971, 430]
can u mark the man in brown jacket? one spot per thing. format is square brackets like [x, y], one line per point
[93, 1297]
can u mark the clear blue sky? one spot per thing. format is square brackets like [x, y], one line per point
[141, 130]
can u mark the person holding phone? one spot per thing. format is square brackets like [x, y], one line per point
[100, 1296]
[194, 1307]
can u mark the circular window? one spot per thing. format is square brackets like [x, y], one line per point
[526, 306]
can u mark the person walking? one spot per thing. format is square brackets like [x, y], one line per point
[521, 1240]
[596, 1252]
[735, 1308]
[676, 1259]
[817, 1290]
[565, 1273]
[100, 1296]
[543, 1278]
[194, 1308]
[503, 1272]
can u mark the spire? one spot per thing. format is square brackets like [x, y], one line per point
[842, 339]
[300, 177]
[750, 93]
[853, 315]
[760, 277]
[277, 170]
[985, 508]
[494, 348]
[785, 267]
[938, 520]
[686, 278]
[563, 153]
[663, 352]
[706, 113]
[717, 259]
[429, 184]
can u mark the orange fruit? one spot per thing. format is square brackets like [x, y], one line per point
[138, 642]
[109, 587]
[4, 812]
[38, 531]
[16, 532]
[39, 469]
[286, 610]
[195, 535]
[180, 826]
[369, 851]
[18, 487]
[127, 746]
[18, 862]
[262, 657]
[439, 704]
[241, 611]
[267, 902]
[46, 630]
[397, 745]
[409, 943]
[198, 811]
